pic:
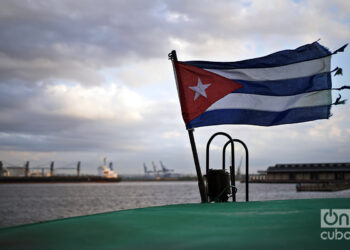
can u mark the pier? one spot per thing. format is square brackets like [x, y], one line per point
[304, 173]
[308, 176]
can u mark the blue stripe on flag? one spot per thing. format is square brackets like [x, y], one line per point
[284, 57]
[260, 118]
[287, 87]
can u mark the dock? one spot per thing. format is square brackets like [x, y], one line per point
[322, 187]
[284, 224]
[322, 177]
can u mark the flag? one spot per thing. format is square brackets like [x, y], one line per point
[288, 86]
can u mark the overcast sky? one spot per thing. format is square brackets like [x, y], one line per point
[81, 80]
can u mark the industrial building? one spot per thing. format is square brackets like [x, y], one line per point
[311, 172]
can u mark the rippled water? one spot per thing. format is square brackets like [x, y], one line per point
[27, 203]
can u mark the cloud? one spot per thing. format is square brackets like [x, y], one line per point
[60, 39]
[87, 79]
[144, 72]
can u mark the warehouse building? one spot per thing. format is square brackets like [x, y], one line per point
[312, 172]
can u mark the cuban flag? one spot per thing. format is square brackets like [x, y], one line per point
[285, 87]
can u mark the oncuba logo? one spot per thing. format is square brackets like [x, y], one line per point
[332, 220]
[335, 218]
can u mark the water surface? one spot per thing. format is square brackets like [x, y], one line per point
[28, 203]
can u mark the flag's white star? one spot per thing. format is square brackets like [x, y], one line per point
[200, 89]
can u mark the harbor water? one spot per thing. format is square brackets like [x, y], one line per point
[29, 203]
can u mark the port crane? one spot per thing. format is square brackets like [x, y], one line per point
[163, 172]
[147, 172]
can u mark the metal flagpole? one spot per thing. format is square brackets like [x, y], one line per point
[173, 58]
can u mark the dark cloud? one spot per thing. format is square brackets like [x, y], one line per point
[57, 95]
[70, 40]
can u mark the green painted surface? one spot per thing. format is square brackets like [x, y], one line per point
[290, 224]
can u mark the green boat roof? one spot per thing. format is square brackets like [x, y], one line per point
[285, 224]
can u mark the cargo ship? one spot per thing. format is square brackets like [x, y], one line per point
[25, 174]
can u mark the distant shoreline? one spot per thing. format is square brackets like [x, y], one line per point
[57, 179]
[185, 178]
[86, 179]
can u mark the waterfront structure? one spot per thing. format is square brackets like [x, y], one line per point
[259, 176]
[309, 172]
[162, 173]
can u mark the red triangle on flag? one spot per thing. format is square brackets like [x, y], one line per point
[199, 89]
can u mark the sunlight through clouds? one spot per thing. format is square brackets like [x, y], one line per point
[80, 79]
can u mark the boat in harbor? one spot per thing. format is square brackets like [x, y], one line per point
[27, 174]
[107, 171]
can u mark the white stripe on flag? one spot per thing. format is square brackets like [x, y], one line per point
[273, 103]
[295, 70]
